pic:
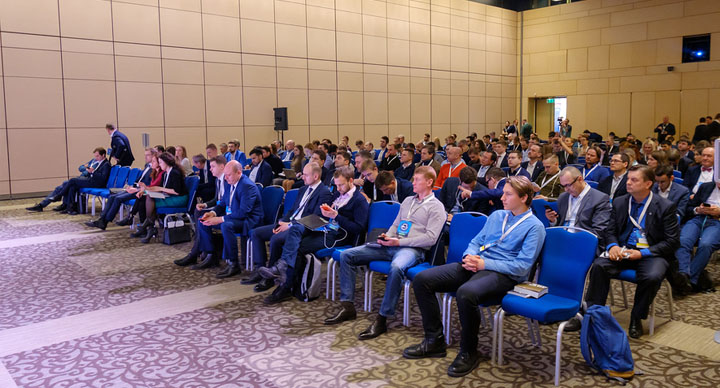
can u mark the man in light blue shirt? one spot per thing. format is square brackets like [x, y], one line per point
[498, 258]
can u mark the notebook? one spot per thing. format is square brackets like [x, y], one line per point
[313, 222]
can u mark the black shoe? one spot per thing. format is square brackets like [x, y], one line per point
[683, 286]
[346, 313]
[208, 260]
[231, 270]
[464, 363]
[428, 348]
[36, 208]
[264, 285]
[151, 232]
[279, 295]
[635, 330]
[704, 283]
[72, 211]
[99, 223]
[125, 221]
[191, 258]
[60, 208]
[141, 231]
[379, 326]
[574, 324]
[253, 279]
[92, 224]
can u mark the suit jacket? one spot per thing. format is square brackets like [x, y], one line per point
[684, 164]
[99, 177]
[702, 195]
[237, 155]
[206, 187]
[670, 129]
[593, 214]
[120, 149]
[405, 172]
[597, 175]
[565, 160]
[216, 197]
[679, 195]
[404, 189]
[692, 176]
[176, 181]
[536, 172]
[287, 155]
[701, 133]
[264, 175]
[353, 216]
[433, 163]
[245, 205]
[661, 225]
[605, 186]
[485, 196]
[145, 175]
[448, 195]
[519, 172]
[318, 197]
[713, 130]
[390, 163]
[503, 162]
[275, 163]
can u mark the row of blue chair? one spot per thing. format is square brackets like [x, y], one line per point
[118, 178]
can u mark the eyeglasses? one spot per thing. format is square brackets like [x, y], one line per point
[615, 160]
[570, 184]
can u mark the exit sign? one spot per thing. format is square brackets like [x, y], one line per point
[550, 100]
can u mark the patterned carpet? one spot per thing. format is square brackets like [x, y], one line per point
[54, 268]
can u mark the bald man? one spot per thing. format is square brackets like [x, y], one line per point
[452, 167]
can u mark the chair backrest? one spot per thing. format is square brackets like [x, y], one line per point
[259, 186]
[191, 183]
[382, 214]
[505, 169]
[565, 260]
[287, 164]
[679, 180]
[289, 200]
[592, 184]
[121, 177]
[463, 228]
[111, 178]
[538, 207]
[677, 174]
[272, 197]
[578, 166]
[581, 159]
[133, 176]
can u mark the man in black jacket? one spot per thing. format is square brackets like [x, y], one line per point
[642, 235]
[120, 147]
[615, 184]
[98, 178]
[451, 194]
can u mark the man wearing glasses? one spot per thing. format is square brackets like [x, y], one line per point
[615, 184]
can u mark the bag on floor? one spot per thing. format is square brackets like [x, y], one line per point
[176, 229]
[605, 346]
[308, 278]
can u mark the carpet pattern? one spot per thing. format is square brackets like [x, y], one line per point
[243, 343]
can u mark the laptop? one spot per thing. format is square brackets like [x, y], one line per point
[156, 194]
[372, 237]
[313, 222]
[289, 173]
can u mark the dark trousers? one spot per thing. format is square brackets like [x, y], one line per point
[113, 203]
[472, 290]
[258, 237]
[230, 244]
[55, 195]
[71, 190]
[650, 273]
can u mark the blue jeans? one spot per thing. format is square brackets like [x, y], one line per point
[709, 236]
[402, 258]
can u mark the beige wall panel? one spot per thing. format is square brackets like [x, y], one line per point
[476, 109]
[598, 57]
[31, 63]
[419, 13]
[477, 41]
[594, 21]
[193, 139]
[399, 11]
[399, 108]
[493, 89]
[375, 83]
[597, 114]
[323, 107]
[577, 60]
[642, 119]
[493, 43]
[349, 47]
[27, 165]
[4, 172]
[255, 135]
[651, 82]
[376, 108]
[348, 22]
[89, 103]
[420, 109]
[459, 58]
[398, 29]
[420, 54]
[647, 14]
[538, 44]
[440, 56]
[26, 41]
[509, 108]
[440, 109]
[440, 85]
[320, 17]
[420, 85]
[221, 7]
[262, 76]
[224, 105]
[221, 33]
[354, 132]
[257, 10]
[623, 34]
[219, 135]
[299, 133]
[417, 131]
[694, 104]
[668, 103]
[35, 17]
[322, 79]
[374, 25]
[493, 63]
[184, 105]
[290, 40]
[509, 64]
[292, 78]
[374, 49]
[350, 81]
[223, 74]
[420, 32]
[440, 35]
[258, 104]
[324, 131]
[321, 43]
[440, 130]
[577, 108]
[290, 13]
[187, 5]
[182, 72]
[140, 104]
[82, 141]
[592, 86]
[88, 66]
[34, 103]
[580, 39]
[258, 37]
[713, 102]
[85, 19]
[690, 25]
[398, 52]
[619, 113]
[459, 109]
[296, 100]
[135, 23]
[350, 107]
[39, 185]
[2, 113]
[459, 87]
[476, 61]
[398, 84]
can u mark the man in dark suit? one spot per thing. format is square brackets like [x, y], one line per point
[206, 185]
[308, 201]
[700, 131]
[665, 129]
[713, 129]
[615, 184]
[98, 178]
[407, 168]
[234, 153]
[275, 163]
[217, 166]
[451, 194]
[239, 210]
[392, 160]
[666, 187]
[642, 235]
[120, 147]
[56, 194]
[490, 199]
[349, 209]
[260, 171]
[702, 229]
[394, 189]
[701, 173]
[500, 148]
[534, 166]
[487, 160]
[115, 201]
[514, 160]
[369, 174]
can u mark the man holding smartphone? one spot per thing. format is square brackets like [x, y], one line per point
[702, 229]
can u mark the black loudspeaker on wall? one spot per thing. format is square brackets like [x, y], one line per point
[281, 121]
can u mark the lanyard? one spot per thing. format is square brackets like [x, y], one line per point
[544, 183]
[585, 174]
[412, 204]
[232, 192]
[453, 168]
[391, 160]
[167, 176]
[517, 171]
[576, 204]
[642, 214]
[505, 233]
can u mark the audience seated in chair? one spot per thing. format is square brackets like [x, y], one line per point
[451, 194]
[666, 187]
[260, 170]
[452, 167]
[614, 184]
[489, 199]
[701, 173]
[547, 185]
[98, 178]
[514, 165]
[394, 189]
[534, 165]
[206, 184]
[593, 170]
[369, 174]
[407, 168]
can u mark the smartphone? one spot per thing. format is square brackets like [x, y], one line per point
[547, 207]
[705, 204]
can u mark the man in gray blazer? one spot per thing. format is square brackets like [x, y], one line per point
[666, 187]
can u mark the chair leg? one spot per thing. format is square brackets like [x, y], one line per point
[93, 205]
[248, 255]
[624, 294]
[536, 325]
[493, 349]
[651, 320]
[611, 295]
[368, 290]
[334, 276]
[490, 315]
[327, 278]
[671, 304]
[501, 315]
[406, 303]
[558, 352]
[531, 331]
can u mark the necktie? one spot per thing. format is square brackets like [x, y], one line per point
[302, 203]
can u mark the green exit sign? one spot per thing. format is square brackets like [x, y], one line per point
[550, 100]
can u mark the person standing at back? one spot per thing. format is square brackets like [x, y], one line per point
[120, 150]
